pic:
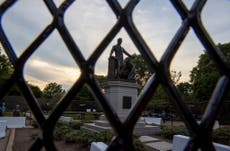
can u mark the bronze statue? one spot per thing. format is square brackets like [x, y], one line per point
[118, 68]
[127, 71]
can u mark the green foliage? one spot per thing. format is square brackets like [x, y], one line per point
[158, 105]
[71, 136]
[75, 125]
[184, 88]
[222, 135]
[169, 131]
[36, 91]
[89, 117]
[53, 90]
[160, 100]
[175, 76]
[6, 68]
[138, 146]
[11, 114]
[61, 130]
[84, 93]
[101, 79]
[68, 133]
[142, 70]
[204, 76]
[52, 93]
[86, 138]
[8, 113]
[83, 115]
[105, 136]
[74, 116]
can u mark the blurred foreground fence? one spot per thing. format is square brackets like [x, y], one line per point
[201, 134]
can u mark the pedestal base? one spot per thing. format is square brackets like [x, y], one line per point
[122, 96]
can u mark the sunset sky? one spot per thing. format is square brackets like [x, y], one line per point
[90, 20]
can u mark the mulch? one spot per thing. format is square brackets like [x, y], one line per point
[25, 137]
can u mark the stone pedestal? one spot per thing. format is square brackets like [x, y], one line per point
[122, 96]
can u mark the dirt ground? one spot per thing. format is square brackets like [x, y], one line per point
[24, 138]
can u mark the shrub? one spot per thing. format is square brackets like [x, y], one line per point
[75, 125]
[169, 131]
[74, 116]
[86, 121]
[61, 130]
[89, 117]
[222, 135]
[138, 146]
[61, 124]
[104, 136]
[85, 138]
[71, 136]
[70, 133]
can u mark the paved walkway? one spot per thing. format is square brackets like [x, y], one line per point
[10, 143]
[4, 141]
[156, 144]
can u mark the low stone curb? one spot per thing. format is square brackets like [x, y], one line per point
[10, 143]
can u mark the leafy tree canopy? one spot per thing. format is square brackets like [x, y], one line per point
[85, 94]
[204, 76]
[142, 71]
[53, 90]
[36, 90]
[6, 68]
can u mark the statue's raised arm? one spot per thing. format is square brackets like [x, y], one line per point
[125, 52]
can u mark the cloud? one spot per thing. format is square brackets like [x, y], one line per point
[88, 21]
[157, 21]
[216, 21]
[23, 22]
[42, 73]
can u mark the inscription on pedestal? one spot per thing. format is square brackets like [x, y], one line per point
[127, 102]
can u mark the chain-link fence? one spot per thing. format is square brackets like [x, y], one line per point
[200, 133]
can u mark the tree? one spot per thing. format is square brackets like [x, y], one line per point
[160, 100]
[184, 88]
[175, 76]
[204, 76]
[36, 90]
[101, 79]
[52, 93]
[84, 94]
[53, 90]
[6, 68]
[142, 71]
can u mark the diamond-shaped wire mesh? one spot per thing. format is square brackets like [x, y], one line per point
[200, 133]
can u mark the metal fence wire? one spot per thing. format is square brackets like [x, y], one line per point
[200, 133]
